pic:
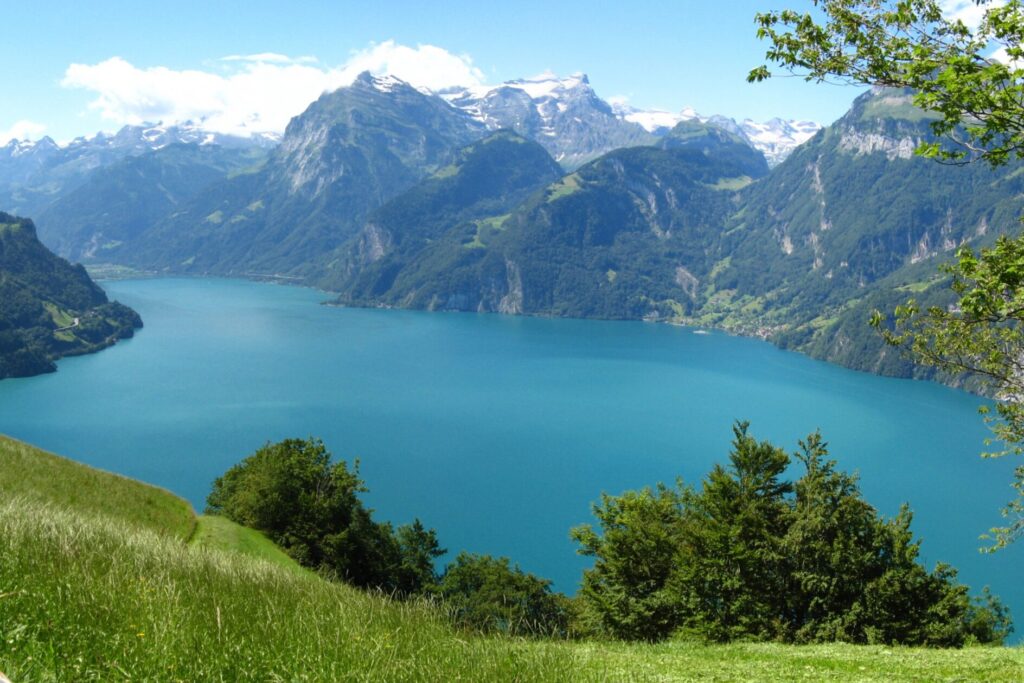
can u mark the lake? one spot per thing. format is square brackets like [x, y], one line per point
[498, 431]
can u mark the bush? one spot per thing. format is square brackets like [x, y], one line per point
[489, 595]
[292, 492]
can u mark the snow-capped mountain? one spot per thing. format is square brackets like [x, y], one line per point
[150, 136]
[776, 138]
[33, 173]
[564, 115]
[575, 125]
[28, 148]
[136, 139]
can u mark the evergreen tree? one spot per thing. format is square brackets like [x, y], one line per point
[730, 577]
[628, 590]
[754, 556]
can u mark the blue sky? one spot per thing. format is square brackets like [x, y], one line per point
[171, 57]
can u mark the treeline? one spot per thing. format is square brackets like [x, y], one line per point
[747, 555]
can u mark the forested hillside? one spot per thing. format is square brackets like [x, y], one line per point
[48, 307]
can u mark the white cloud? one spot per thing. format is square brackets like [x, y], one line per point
[261, 92]
[968, 11]
[425, 66]
[22, 130]
[272, 57]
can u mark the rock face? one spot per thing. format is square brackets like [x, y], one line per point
[564, 115]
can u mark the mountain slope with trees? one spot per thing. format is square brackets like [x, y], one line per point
[119, 201]
[625, 236]
[442, 221]
[854, 219]
[348, 153]
[48, 307]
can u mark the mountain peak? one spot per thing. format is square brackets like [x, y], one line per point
[383, 83]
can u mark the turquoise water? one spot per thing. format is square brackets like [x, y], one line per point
[497, 431]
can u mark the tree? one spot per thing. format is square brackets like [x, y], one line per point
[731, 577]
[967, 75]
[292, 492]
[490, 595]
[628, 590]
[750, 555]
[972, 78]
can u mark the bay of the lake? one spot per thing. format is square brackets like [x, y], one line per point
[498, 431]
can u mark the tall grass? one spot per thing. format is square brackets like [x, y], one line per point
[84, 597]
[29, 471]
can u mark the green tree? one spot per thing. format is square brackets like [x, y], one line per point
[754, 556]
[730, 577]
[830, 549]
[417, 547]
[310, 506]
[969, 76]
[628, 590]
[981, 337]
[972, 78]
[490, 595]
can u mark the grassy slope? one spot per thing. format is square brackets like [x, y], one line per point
[28, 471]
[96, 583]
[819, 663]
[87, 598]
[43, 477]
[223, 534]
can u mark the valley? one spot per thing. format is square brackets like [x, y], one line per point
[388, 195]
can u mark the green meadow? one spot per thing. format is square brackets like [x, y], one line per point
[104, 579]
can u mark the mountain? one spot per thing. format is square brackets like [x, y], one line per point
[48, 307]
[33, 175]
[391, 195]
[348, 153]
[626, 236]
[564, 115]
[119, 201]
[853, 220]
[776, 138]
[443, 222]
[698, 230]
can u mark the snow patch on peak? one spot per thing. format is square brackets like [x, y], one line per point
[775, 138]
[653, 120]
[548, 84]
[17, 148]
[387, 83]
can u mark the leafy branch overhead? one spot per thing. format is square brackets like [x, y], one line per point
[982, 336]
[970, 76]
